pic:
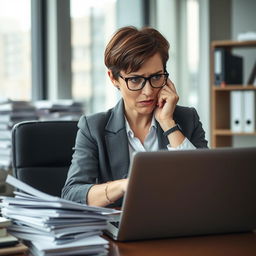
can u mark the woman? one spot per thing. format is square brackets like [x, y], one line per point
[145, 119]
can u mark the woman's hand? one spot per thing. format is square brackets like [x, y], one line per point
[167, 100]
[124, 184]
[106, 193]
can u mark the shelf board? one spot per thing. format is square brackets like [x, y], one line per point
[228, 43]
[233, 87]
[227, 132]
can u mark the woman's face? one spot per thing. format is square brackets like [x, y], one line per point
[141, 102]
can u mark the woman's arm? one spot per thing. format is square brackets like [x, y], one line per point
[167, 101]
[83, 171]
[89, 169]
[198, 136]
[106, 193]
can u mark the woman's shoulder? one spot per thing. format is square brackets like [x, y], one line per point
[101, 119]
[94, 120]
[182, 110]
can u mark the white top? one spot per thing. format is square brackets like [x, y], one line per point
[151, 140]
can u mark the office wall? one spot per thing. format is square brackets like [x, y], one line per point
[243, 16]
[220, 19]
[227, 19]
[130, 13]
[243, 20]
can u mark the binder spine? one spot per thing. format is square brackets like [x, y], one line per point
[228, 68]
[249, 111]
[218, 66]
[236, 111]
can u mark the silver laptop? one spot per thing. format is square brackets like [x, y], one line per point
[185, 193]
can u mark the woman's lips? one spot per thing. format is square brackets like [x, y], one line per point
[146, 102]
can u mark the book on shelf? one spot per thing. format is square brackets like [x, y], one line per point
[236, 106]
[243, 113]
[228, 68]
[247, 36]
[252, 77]
[249, 101]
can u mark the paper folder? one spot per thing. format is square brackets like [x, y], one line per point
[249, 111]
[236, 105]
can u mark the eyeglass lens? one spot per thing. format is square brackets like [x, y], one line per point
[135, 83]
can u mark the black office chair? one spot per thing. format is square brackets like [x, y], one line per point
[42, 152]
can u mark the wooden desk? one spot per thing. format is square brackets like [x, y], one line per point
[217, 245]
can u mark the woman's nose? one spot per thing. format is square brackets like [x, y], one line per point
[147, 89]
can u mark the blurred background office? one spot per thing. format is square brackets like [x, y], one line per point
[53, 49]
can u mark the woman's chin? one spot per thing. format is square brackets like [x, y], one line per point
[146, 111]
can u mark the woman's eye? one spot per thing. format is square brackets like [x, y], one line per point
[156, 77]
[135, 80]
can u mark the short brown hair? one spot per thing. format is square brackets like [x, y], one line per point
[129, 48]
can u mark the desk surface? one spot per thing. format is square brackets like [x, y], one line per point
[217, 245]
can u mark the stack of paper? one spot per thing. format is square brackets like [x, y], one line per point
[9, 244]
[59, 110]
[55, 226]
[12, 112]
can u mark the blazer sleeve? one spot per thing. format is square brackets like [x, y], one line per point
[198, 134]
[84, 169]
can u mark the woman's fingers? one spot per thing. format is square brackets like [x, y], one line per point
[170, 85]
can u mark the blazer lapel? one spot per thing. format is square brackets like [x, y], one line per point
[117, 142]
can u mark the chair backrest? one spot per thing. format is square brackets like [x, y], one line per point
[42, 152]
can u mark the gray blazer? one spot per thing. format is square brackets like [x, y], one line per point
[101, 149]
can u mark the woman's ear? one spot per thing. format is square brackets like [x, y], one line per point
[113, 80]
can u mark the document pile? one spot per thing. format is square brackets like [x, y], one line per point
[9, 244]
[59, 110]
[12, 112]
[55, 226]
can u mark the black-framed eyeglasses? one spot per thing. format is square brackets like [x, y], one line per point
[136, 83]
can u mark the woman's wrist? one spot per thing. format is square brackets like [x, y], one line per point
[107, 194]
[124, 185]
[114, 190]
[168, 124]
[120, 186]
